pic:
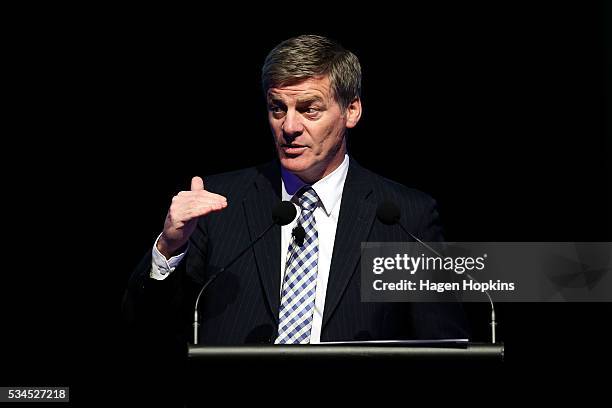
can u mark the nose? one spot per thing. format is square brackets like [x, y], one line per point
[292, 126]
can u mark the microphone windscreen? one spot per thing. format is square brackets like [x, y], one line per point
[284, 213]
[300, 234]
[388, 213]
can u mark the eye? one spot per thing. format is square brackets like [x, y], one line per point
[277, 111]
[311, 111]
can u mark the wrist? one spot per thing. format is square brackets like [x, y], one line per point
[167, 249]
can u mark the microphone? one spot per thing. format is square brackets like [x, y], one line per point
[282, 214]
[389, 214]
[299, 234]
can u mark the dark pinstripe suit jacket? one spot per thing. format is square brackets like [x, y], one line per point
[242, 305]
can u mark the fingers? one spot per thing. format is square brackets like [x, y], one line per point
[202, 210]
[197, 202]
[200, 195]
[197, 184]
[180, 217]
[188, 205]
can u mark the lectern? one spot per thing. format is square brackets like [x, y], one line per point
[421, 351]
[354, 372]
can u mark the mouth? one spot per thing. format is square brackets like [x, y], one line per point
[293, 148]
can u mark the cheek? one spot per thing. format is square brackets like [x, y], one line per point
[274, 125]
[333, 135]
[324, 137]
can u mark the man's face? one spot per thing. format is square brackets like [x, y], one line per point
[309, 127]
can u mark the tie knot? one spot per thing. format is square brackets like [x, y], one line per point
[308, 199]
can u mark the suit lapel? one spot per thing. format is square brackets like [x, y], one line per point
[258, 206]
[357, 213]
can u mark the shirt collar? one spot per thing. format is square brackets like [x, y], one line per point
[329, 188]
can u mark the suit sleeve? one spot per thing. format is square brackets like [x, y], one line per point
[160, 309]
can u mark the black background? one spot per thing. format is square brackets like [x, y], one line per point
[500, 112]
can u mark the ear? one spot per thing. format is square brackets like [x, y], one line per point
[353, 113]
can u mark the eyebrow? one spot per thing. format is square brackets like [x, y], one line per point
[273, 99]
[309, 101]
[304, 101]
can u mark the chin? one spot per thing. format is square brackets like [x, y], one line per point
[292, 164]
[296, 164]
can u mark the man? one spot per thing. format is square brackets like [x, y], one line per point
[285, 291]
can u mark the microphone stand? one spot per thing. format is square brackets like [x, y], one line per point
[493, 323]
[196, 317]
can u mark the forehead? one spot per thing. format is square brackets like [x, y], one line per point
[318, 87]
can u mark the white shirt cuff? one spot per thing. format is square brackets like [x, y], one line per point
[161, 267]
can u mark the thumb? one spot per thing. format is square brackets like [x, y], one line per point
[197, 184]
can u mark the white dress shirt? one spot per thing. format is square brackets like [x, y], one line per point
[329, 189]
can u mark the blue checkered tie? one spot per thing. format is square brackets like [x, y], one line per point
[300, 282]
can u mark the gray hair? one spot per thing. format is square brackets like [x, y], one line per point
[308, 56]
